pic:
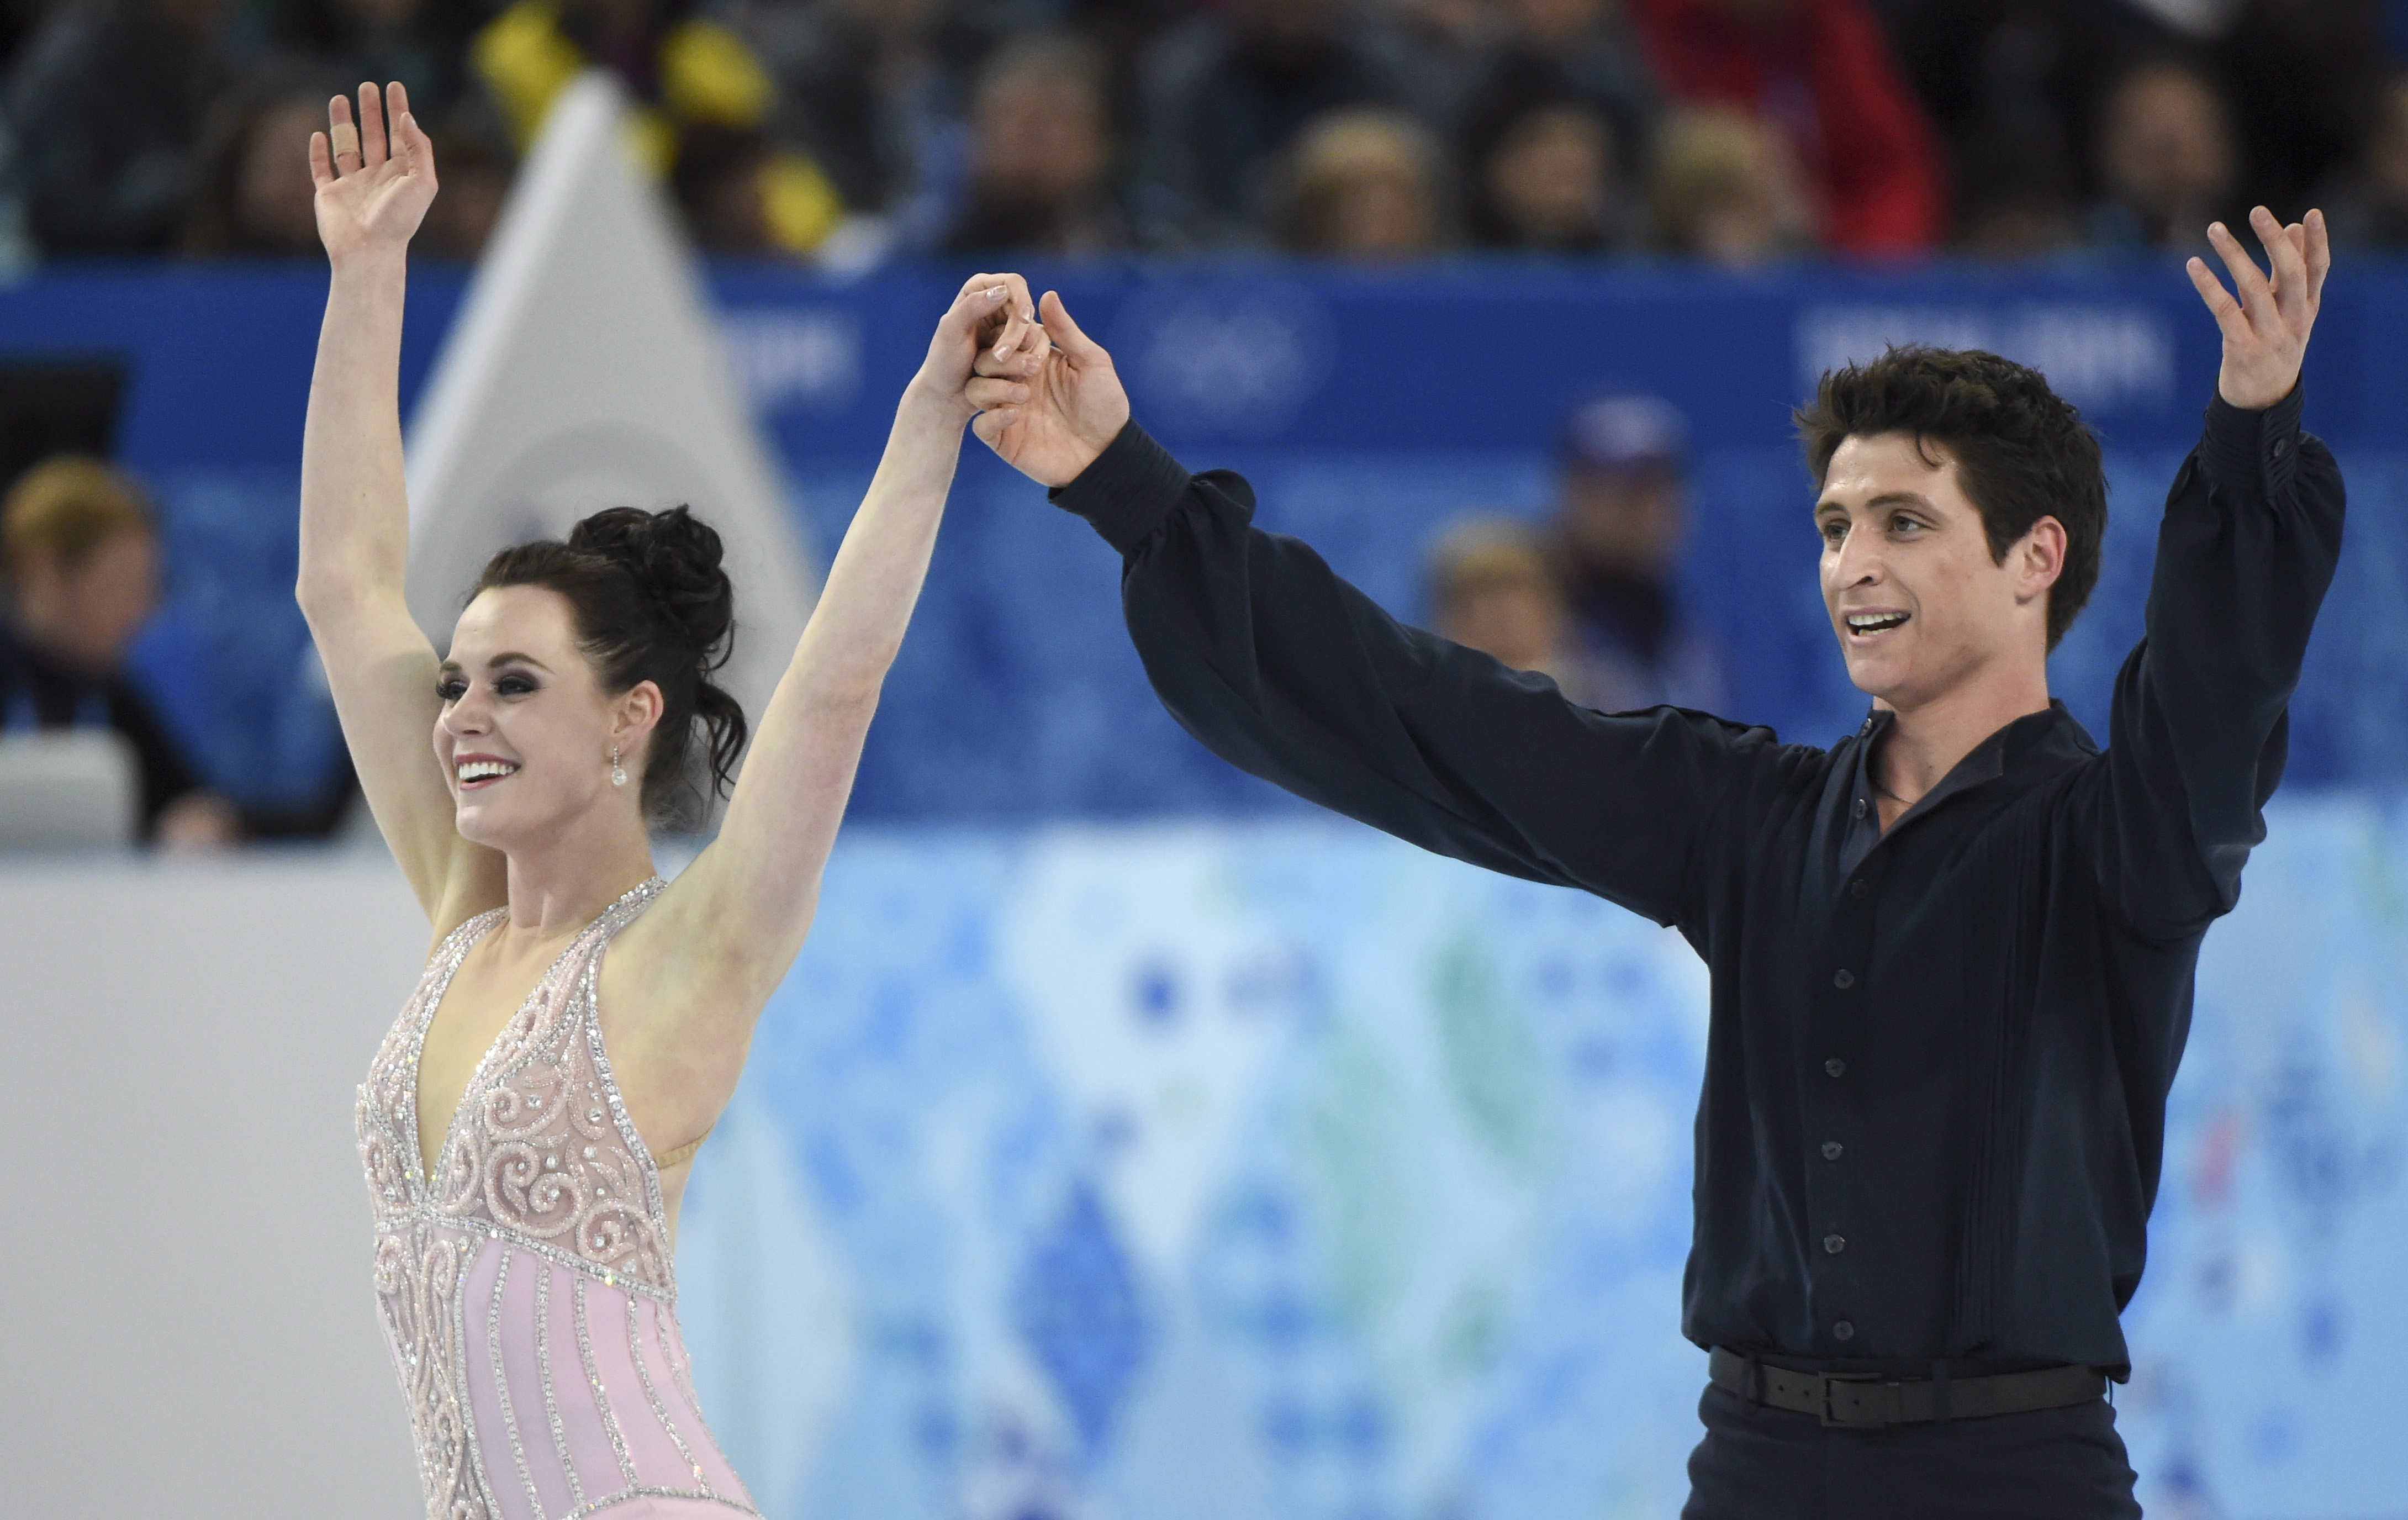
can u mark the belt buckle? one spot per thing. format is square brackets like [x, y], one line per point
[1833, 1420]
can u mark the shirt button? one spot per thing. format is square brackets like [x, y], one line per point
[1831, 1150]
[1836, 1067]
[1858, 888]
[1861, 806]
[1844, 1331]
[1834, 1244]
[1843, 979]
[2282, 447]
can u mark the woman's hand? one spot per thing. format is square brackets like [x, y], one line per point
[1051, 426]
[991, 324]
[2266, 329]
[373, 186]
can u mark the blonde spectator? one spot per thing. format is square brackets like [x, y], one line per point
[1492, 589]
[1726, 190]
[81, 551]
[1362, 184]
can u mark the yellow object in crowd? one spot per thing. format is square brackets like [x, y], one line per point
[708, 75]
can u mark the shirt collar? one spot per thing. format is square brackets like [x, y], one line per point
[2049, 739]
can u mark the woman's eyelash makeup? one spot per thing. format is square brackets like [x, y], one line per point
[453, 688]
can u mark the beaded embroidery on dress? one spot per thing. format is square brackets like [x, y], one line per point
[526, 1289]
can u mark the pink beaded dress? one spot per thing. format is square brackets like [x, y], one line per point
[526, 1289]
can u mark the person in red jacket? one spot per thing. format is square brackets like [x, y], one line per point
[1821, 71]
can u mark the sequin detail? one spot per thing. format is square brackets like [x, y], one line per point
[540, 1162]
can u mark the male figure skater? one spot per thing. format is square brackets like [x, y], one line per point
[1952, 955]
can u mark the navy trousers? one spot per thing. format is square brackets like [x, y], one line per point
[1758, 1463]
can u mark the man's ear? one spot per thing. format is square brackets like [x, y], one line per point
[2038, 559]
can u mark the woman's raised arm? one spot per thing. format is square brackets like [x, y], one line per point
[723, 934]
[373, 189]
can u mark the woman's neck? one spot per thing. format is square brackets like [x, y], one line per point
[563, 882]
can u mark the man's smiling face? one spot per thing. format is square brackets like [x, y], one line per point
[1918, 602]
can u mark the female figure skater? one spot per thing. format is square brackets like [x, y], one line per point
[529, 1123]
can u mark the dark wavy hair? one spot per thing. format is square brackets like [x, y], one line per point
[2022, 452]
[649, 602]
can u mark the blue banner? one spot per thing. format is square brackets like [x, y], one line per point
[1369, 410]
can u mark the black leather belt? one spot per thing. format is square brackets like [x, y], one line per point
[1869, 1400]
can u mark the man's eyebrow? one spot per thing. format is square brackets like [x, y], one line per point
[1887, 498]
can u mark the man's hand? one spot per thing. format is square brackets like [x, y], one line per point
[2265, 330]
[1050, 426]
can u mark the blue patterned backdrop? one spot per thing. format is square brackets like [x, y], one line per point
[1284, 1172]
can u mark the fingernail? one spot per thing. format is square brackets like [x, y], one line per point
[997, 294]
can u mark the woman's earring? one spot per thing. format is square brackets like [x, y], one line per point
[618, 777]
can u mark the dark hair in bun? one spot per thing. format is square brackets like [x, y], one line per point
[649, 603]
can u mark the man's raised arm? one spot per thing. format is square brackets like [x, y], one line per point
[1286, 672]
[2251, 536]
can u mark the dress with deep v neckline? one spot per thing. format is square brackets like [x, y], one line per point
[472, 934]
[524, 1283]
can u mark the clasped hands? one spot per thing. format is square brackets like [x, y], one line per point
[1037, 390]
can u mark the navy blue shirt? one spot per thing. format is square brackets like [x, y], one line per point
[1934, 1103]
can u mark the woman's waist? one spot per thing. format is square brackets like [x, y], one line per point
[426, 1241]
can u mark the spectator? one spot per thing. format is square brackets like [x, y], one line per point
[1362, 184]
[1040, 153]
[252, 192]
[475, 161]
[2367, 204]
[1551, 179]
[684, 72]
[1565, 51]
[2306, 83]
[105, 103]
[870, 90]
[1227, 93]
[1723, 189]
[81, 550]
[1621, 515]
[721, 182]
[422, 43]
[1555, 127]
[2015, 199]
[1820, 75]
[2166, 158]
[1492, 589]
[2012, 85]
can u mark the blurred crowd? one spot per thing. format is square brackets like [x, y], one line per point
[1588, 594]
[847, 131]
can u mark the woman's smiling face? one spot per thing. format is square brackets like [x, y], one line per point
[526, 731]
